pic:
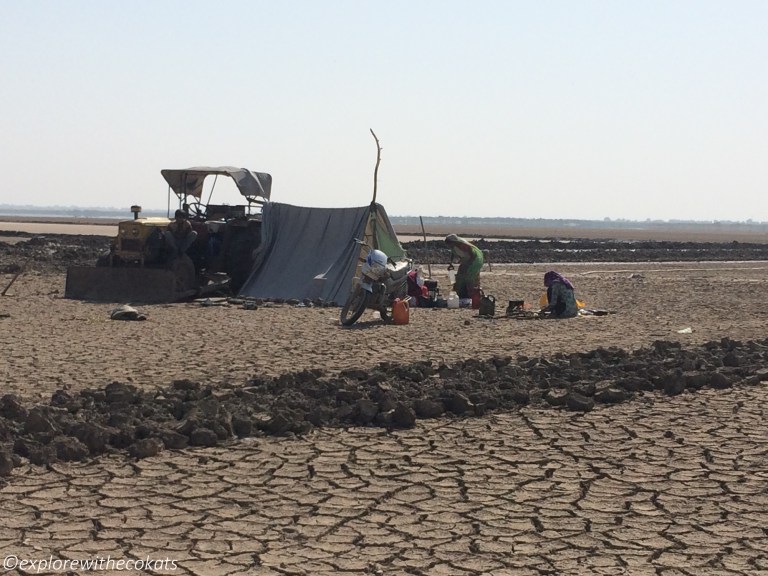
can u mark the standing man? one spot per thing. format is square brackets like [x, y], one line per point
[179, 236]
[470, 259]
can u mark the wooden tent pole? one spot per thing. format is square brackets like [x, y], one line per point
[378, 161]
[429, 266]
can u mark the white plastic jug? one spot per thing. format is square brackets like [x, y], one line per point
[453, 300]
[451, 277]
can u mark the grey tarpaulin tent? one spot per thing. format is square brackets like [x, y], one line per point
[310, 252]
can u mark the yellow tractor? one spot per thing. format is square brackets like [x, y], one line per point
[137, 240]
[138, 267]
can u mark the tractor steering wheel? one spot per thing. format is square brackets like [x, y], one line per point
[198, 212]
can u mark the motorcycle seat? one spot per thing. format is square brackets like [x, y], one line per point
[399, 270]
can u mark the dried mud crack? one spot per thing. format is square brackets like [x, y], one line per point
[120, 418]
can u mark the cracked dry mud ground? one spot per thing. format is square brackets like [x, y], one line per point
[657, 485]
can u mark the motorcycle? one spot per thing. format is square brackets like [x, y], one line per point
[381, 282]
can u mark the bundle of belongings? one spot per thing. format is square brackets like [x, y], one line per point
[126, 312]
[423, 293]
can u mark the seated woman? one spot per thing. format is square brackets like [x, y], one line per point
[561, 298]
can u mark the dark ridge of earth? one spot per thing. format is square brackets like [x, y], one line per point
[54, 253]
[119, 418]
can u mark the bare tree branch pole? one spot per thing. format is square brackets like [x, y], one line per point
[424, 233]
[378, 161]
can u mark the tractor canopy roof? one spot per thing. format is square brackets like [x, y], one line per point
[185, 182]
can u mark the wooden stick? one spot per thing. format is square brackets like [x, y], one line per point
[11, 282]
[429, 266]
[378, 161]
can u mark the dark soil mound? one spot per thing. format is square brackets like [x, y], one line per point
[532, 251]
[50, 252]
[56, 252]
[121, 418]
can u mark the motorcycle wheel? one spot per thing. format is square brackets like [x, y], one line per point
[386, 314]
[354, 306]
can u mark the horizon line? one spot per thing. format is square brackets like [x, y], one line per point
[50, 210]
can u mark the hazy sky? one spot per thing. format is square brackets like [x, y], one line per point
[550, 109]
